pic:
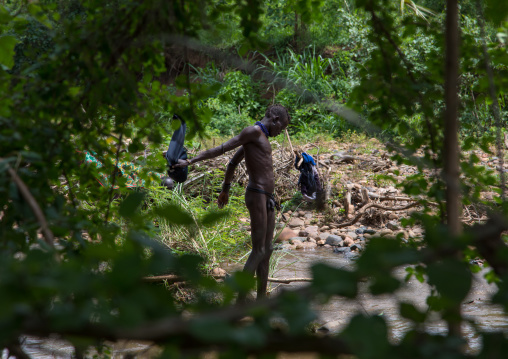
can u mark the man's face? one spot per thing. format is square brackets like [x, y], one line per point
[277, 124]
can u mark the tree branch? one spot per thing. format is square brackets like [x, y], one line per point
[49, 238]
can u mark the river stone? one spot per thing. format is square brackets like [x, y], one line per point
[296, 240]
[303, 234]
[321, 242]
[309, 245]
[341, 249]
[312, 231]
[352, 235]
[331, 327]
[384, 232]
[348, 242]
[218, 272]
[392, 225]
[312, 240]
[323, 236]
[285, 235]
[308, 215]
[334, 240]
[369, 231]
[296, 222]
[393, 216]
[324, 228]
[356, 247]
[288, 247]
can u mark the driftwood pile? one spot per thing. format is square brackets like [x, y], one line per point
[348, 175]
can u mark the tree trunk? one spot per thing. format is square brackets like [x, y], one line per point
[451, 147]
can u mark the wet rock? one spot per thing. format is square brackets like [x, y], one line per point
[296, 222]
[285, 235]
[351, 255]
[369, 231]
[334, 240]
[356, 247]
[297, 240]
[341, 249]
[321, 242]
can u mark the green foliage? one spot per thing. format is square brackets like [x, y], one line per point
[93, 76]
[235, 106]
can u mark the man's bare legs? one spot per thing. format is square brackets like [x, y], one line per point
[262, 226]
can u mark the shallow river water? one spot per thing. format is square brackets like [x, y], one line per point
[335, 314]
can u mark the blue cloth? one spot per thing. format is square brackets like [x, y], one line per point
[263, 128]
[308, 158]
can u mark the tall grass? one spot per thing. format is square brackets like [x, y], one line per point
[223, 240]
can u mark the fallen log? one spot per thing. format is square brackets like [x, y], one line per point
[176, 278]
[362, 210]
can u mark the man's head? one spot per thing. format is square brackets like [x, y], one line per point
[276, 119]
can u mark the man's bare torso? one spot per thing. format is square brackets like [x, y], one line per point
[258, 159]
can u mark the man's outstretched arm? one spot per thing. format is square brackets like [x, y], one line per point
[247, 135]
[228, 177]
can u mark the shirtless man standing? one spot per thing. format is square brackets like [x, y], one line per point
[256, 149]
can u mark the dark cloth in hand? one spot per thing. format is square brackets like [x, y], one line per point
[176, 151]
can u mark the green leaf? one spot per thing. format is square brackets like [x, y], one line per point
[130, 204]
[213, 217]
[496, 11]
[368, 337]
[5, 16]
[173, 214]
[7, 44]
[241, 282]
[451, 278]
[211, 329]
[409, 311]
[333, 281]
